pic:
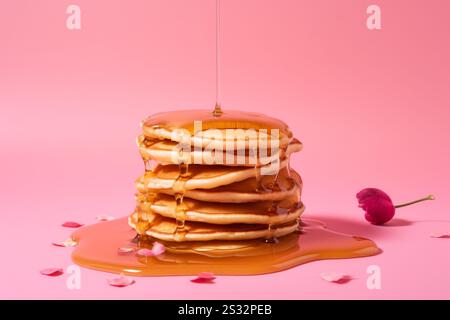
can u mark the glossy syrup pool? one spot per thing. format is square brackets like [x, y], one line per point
[98, 246]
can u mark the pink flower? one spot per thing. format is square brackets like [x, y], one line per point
[378, 205]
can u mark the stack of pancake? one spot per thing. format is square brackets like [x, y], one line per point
[210, 177]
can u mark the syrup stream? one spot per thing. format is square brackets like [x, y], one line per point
[217, 108]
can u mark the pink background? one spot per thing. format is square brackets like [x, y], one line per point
[372, 108]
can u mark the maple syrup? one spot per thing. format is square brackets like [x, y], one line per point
[98, 246]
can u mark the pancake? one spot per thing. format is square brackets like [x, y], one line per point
[180, 126]
[168, 152]
[249, 190]
[263, 212]
[166, 229]
[222, 180]
[198, 176]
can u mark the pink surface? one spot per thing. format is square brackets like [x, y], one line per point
[372, 108]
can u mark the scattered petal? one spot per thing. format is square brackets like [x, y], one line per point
[52, 272]
[58, 244]
[158, 249]
[438, 234]
[104, 218]
[72, 224]
[120, 281]
[335, 277]
[145, 252]
[126, 250]
[204, 277]
[66, 243]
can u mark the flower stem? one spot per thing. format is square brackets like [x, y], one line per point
[428, 197]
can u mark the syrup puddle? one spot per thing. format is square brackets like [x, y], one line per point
[98, 246]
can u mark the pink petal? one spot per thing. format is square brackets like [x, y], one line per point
[126, 250]
[104, 218]
[437, 234]
[145, 252]
[52, 272]
[335, 277]
[120, 281]
[158, 249]
[58, 244]
[204, 277]
[66, 243]
[71, 224]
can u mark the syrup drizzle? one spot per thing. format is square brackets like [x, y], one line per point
[264, 184]
[179, 188]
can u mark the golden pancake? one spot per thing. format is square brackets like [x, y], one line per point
[263, 212]
[184, 126]
[265, 188]
[199, 177]
[168, 230]
[168, 152]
